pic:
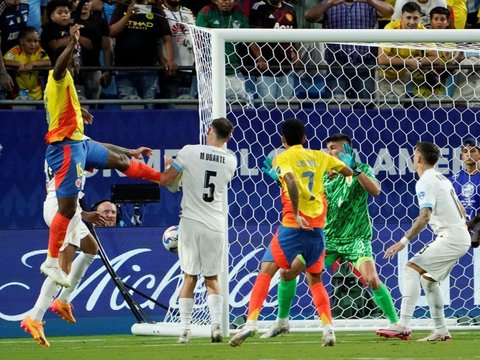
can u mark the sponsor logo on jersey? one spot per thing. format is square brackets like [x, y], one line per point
[421, 195]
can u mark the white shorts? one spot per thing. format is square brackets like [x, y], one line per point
[438, 257]
[76, 230]
[200, 249]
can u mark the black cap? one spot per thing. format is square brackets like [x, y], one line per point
[471, 141]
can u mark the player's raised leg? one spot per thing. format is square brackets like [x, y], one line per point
[66, 163]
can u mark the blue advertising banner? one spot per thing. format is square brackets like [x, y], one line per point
[385, 140]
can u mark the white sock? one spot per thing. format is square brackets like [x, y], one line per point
[47, 293]
[51, 261]
[282, 321]
[215, 304]
[435, 303]
[186, 308]
[411, 293]
[79, 267]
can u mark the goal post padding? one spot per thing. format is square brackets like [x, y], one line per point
[384, 135]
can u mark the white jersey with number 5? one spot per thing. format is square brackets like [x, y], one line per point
[435, 191]
[206, 171]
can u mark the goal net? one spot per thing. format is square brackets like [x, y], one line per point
[385, 106]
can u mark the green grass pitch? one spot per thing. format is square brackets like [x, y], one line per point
[302, 346]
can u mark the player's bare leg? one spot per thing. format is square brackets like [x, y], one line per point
[298, 267]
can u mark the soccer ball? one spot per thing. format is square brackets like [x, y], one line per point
[170, 239]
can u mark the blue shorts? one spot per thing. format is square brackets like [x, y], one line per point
[68, 160]
[288, 243]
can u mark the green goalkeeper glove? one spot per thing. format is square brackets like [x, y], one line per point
[269, 170]
[349, 158]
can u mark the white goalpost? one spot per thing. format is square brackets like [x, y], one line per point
[384, 129]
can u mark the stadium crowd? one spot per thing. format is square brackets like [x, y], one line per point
[142, 49]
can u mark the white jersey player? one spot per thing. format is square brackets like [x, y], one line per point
[441, 209]
[206, 171]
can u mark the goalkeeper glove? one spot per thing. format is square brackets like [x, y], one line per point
[269, 170]
[349, 158]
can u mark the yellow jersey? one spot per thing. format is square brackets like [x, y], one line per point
[27, 80]
[64, 116]
[402, 52]
[308, 167]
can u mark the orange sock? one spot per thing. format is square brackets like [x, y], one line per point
[259, 294]
[139, 170]
[58, 229]
[322, 303]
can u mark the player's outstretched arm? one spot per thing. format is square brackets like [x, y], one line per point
[65, 58]
[418, 225]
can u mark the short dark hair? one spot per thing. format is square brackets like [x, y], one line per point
[471, 141]
[339, 137]
[411, 7]
[293, 130]
[430, 152]
[26, 30]
[53, 4]
[440, 10]
[97, 204]
[223, 127]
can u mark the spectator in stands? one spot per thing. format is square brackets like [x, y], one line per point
[274, 64]
[13, 18]
[179, 84]
[25, 58]
[425, 7]
[108, 210]
[56, 32]
[436, 80]
[94, 38]
[344, 80]
[386, 19]
[225, 14]
[458, 13]
[35, 15]
[473, 7]
[405, 66]
[137, 27]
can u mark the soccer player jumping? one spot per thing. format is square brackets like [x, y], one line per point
[69, 153]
